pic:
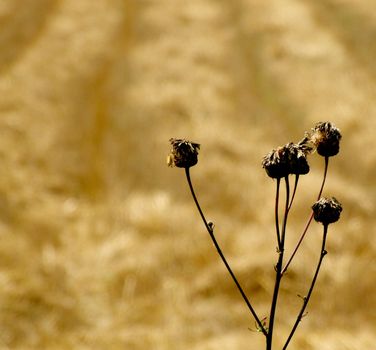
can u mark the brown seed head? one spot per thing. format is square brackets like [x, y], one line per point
[275, 163]
[285, 160]
[297, 159]
[183, 153]
[327, 210]
[305, 145]
[326, 137]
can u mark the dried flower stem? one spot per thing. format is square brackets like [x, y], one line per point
[307, 297]
[211, 233]
[294, 190]
[323, 181]
[309, 219]
[276, 214]
[278, 268]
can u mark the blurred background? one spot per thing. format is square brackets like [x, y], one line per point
[101, 245]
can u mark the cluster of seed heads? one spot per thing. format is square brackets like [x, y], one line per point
[286, 160]
[290, 159]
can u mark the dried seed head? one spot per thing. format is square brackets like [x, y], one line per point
[285, 160]
[183, 153]
[297, 159]
[305, 145]
[275, 163]
[327, 210]
[325, 137]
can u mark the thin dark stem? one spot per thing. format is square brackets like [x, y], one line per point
[323, 181]
[286, 211]
[308, 296]
[294, 190]
[309, 219]
[298, 244]
[276, 214]
[211, 233]
[278, 269]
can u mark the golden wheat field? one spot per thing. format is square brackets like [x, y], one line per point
[101, 245]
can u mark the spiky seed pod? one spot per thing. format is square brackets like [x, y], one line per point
[183, 153]
[326, 137]
[327, 210]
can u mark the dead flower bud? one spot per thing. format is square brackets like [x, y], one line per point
[275, 163]
[305, 145]
[325, 136]
[183, 153]
[327, 210]
[297, 159]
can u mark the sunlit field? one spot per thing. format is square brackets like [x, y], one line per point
[101, 245]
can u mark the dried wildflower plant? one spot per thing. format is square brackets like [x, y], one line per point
[280, 163]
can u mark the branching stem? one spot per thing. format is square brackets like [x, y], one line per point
[309, 220]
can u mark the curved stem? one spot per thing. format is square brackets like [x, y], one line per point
[278, 269]
[306, 298]
[211, 233]
[309, 219]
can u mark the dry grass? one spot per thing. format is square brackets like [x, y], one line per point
[101, 247]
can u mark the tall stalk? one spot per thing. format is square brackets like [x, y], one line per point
[278, 268]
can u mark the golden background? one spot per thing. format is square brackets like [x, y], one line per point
[101, 245]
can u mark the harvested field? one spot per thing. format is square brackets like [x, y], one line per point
[101, 245]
